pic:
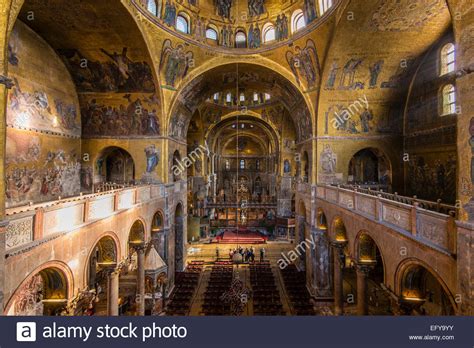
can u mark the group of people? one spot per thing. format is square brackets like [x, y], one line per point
[125, 119]
[248, 254]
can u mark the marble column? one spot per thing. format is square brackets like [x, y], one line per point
[320, 266]
[113, 293]
[338, 255]
[5, 84]
[362, 271]
[140, 281]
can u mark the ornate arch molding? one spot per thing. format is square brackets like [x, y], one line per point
[406, 264]
[197, 74]
[59, 265]
[357, 244]
[215, 130]
[118, 250]
[337, 230]
[145, 227]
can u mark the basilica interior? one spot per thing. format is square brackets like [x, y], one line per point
[237, 157]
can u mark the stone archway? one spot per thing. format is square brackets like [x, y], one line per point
[159, 235]
[136, 251]
[115, 166]
[339, 244]
[46, 292]
[422, 291]
[370, 166]
[370, 274]
[103, 256]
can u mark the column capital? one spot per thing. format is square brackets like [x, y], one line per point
[338, 246]
[365, 267]
[138, 247]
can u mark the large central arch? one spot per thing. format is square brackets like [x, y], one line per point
[200, 86]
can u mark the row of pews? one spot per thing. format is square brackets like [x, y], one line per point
[295, 285]
[219, 283]
[265, 294]
[185, 286]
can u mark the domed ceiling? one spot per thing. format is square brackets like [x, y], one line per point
[242, 24]
[244, 10]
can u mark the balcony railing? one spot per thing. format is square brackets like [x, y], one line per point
[431, 226]
[428, 205]
[31, 223]
[262, 205]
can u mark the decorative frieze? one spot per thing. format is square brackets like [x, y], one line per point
[397, 216]
[19, 232]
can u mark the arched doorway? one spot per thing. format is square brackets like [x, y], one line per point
[179, 238]
[102, 260]
[103, 257]
[115, 165]
[159, 236]
[370, 276]
[422, 293]
[132, 288]
[321, 221]
[44, 293]
[343, 290]
[370, 166]
[339, 230]
[136, 237]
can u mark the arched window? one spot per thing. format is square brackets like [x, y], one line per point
[211, 34]
[228, 98]
[268, 31]
[242, 164]
[227, 165]
[242, 97]
[255, 97]
[182, 24]
[240, 40]
[449, 100]
[324, 5]
[448, 59]
[297, 21]
[152, 7]
[216, 97]
[267, 97]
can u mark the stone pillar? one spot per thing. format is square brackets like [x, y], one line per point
[320, 264]
[465, 266]
[140, 281]
[5, 84]
[362, 271]
[113, 293]
[338, 256]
